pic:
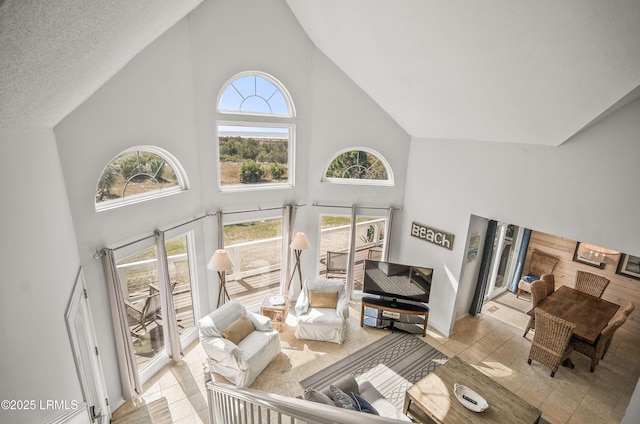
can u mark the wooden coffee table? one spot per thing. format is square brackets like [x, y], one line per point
[432, 400]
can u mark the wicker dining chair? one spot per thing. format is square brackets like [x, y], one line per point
[597, 350]
[549, 283]
[627, 308]
[551, 342]
[538, 292]
[590, 283]
[541, 264]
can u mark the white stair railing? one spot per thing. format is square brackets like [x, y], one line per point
[234, 405]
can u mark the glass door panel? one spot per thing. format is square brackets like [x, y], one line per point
[334, 245]
[180, 280]
[139, 279]
[370, 233]
[504, 256]
[255, 248]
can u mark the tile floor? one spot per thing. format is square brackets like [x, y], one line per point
[487, 341]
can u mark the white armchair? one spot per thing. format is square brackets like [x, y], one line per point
[255, 342]
[322, 310]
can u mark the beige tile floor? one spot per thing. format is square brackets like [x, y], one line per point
[487, 341]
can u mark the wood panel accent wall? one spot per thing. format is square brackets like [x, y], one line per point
[619, 290]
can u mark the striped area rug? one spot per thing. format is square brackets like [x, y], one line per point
[392, 364]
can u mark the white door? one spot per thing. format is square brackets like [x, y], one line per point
[86, 354]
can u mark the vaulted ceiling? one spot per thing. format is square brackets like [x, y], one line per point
[496, 70]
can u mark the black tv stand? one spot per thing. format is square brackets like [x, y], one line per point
[392, 305]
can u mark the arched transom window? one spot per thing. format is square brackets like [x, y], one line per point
[138, 174]
[256, 133]
[358, 166]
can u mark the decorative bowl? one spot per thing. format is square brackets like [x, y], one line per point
[469, 399]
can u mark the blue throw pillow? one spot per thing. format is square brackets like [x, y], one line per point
[530, 278]
[342, 399]
[363, 405]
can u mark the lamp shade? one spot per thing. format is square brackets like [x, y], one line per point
[300, 242]
[220, 261]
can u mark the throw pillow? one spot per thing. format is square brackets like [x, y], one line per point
[363, 405]
[323, 299]
[318, 397]
[342, 399]
[238, 330]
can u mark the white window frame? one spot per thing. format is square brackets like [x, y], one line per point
[390, 181]
[178, 170]
[256, 119]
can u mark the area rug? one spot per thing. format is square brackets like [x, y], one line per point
[392, 364]
[156, 412]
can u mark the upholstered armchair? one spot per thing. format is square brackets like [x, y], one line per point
[541, 264]
[322, 310]
[240, 344]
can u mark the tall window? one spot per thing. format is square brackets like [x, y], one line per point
[138, 174]
[362, 166]
[256, 137]
[255, 248]
[138, 273]
[335, 240]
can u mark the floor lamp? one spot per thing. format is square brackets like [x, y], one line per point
[221, 262]
[298, 244]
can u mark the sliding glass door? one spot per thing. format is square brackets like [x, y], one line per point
[255, 248]
[137, 267]
[335, 242]
[139, 278]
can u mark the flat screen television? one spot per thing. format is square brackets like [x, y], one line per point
[397, 281]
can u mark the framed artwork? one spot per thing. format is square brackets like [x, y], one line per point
[581, 259]
[629, 266]
[472, 253]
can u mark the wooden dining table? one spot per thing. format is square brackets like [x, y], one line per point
[590, 314]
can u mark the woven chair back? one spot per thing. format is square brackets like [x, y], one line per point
[591, 283]
[549, 283]
[627, 308]
[541, 263]
[538, 292]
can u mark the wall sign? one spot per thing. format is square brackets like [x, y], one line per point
[432, 235]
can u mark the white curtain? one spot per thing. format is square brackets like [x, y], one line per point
[131, 386]
[288, 225]
[387, 235]
[220, 230]
[169, 319]
[351, 260]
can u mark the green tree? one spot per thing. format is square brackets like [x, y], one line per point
[278, 171]
[251, 172]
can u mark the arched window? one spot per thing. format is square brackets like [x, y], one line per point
[138, 174]
[256, 136]
[362, 166]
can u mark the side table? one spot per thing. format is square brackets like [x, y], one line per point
[276, 307]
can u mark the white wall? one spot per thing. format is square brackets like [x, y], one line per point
[585, 189]
[166, 96]
[39, 263]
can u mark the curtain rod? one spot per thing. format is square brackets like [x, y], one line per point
[99, 253]
[358, 206]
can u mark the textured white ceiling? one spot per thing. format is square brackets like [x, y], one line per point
[54, 54]
[493, 70]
